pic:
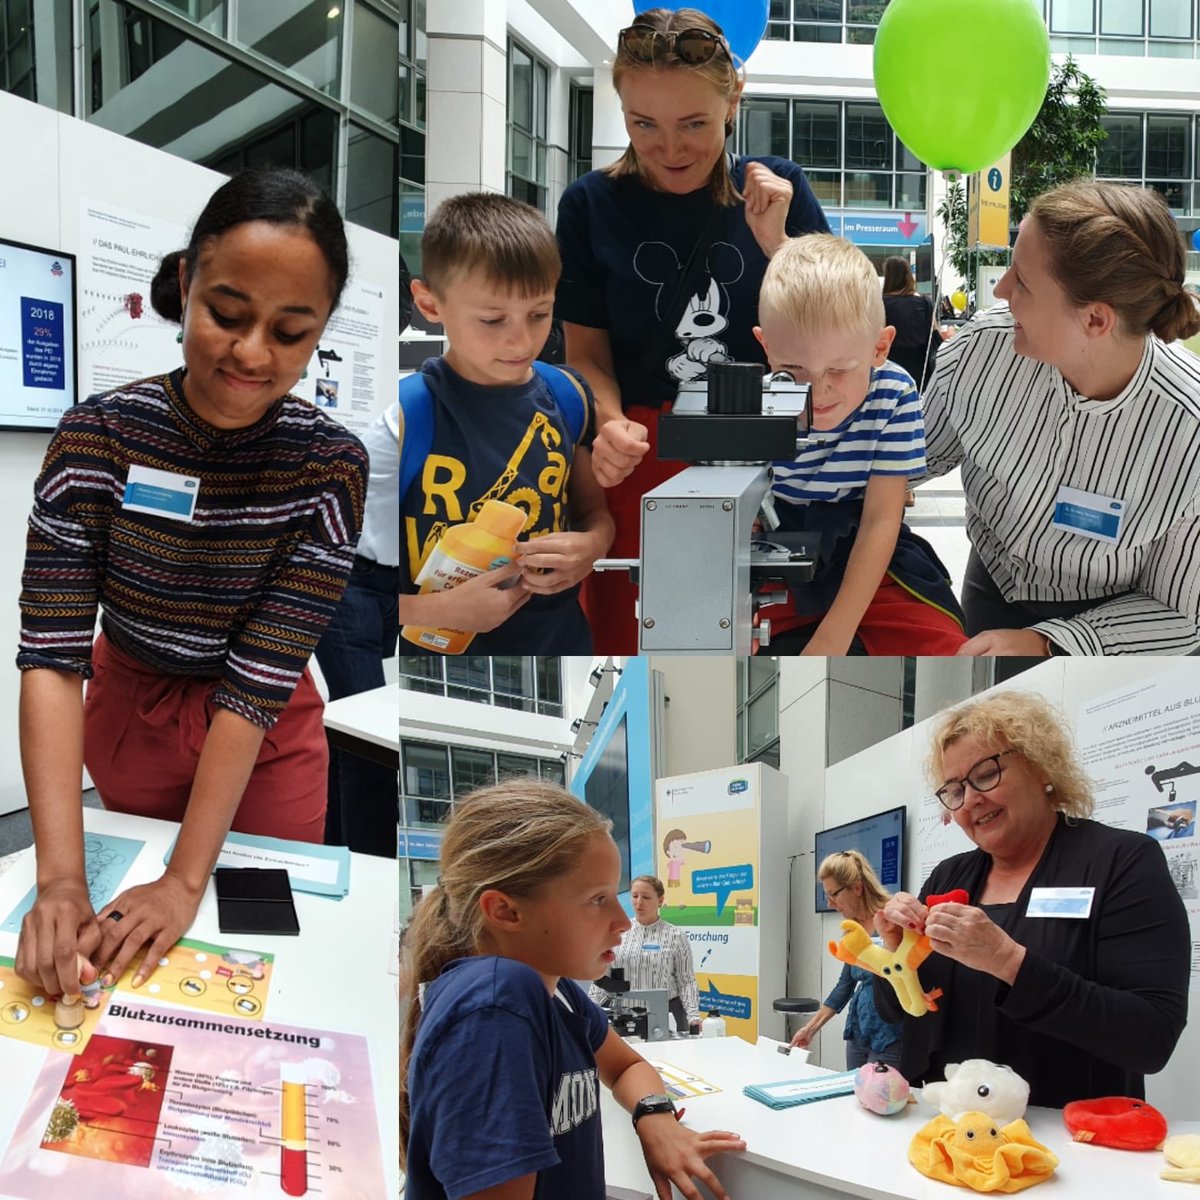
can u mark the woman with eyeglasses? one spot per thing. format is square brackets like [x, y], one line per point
[637, 321]
[1070, 961]
[854, 890]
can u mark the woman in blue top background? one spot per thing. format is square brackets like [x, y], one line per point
[853, 888]
[627, 232]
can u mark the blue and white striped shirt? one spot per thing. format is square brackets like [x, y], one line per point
[885, 435]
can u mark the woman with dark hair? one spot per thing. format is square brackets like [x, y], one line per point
[637, 321]
[911, 315]
[211, 517]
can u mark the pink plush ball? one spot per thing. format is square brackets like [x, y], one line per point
[880, 1088]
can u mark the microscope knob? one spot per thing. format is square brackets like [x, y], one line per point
[762, 634]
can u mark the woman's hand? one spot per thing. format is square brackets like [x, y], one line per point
[619, 446]
[903, 911]
[675, 1155]
[59, 927]
[969, 936]
[157, 913]
[1026, 642]
[768, 199]
[803, 1037]
[554, 562]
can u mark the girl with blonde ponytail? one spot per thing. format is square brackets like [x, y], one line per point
[501, 1052]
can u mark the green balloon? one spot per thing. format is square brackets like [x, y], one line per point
[997, 52]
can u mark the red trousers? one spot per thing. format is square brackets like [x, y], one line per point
[609, 597]
[142, 736]
[896, 623]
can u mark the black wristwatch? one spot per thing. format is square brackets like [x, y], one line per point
[655, 1103]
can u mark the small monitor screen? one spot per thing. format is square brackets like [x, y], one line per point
[38, 378]
[607, 791]
[879, 839]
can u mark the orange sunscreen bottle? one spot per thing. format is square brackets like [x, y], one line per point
[465, 551]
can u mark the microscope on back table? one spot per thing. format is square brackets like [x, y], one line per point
[641, 1014]
[702, 564]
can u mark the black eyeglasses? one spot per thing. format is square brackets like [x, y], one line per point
[693, 46]
[983, 776]
[835, 895]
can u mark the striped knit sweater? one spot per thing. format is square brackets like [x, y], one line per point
[240, 594]
[1020, 432]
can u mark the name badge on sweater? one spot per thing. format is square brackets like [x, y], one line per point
[160, 493]
[1088, 514]
[1073, 902]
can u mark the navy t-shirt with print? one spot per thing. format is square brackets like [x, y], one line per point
[497, 443]
[503, 1083]
[624, 248]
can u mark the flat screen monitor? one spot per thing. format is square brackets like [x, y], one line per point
[879, 839]
[38, 372]
[607, 791]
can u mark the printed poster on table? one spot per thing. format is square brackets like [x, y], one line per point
[708, 859]
[1140, 744]
[168, 1104]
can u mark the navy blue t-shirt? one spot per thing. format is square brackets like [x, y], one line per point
[498, 443]
[624, 248]
[503, 1083]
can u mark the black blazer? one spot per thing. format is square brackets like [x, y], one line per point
[1097, 1004]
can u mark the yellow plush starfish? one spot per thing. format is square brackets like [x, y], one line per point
[975, 1152]
[898, 967]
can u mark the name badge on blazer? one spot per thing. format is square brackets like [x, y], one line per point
[160, 493]
[1071, 902]
[1089, 514]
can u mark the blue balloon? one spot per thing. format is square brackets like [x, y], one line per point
[1196, 239]
[742, 21]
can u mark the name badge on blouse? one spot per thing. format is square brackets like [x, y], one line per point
[1074, 902]
[1088, 514]
[160, 493]
[651, 946]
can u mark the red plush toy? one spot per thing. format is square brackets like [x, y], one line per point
[1118, 1121]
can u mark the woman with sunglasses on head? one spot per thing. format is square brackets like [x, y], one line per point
[1070, 961]
[637, 322]
[854, 891]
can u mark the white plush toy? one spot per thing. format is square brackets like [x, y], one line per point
[978, 1085]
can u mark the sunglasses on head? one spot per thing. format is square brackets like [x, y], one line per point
[692, 46]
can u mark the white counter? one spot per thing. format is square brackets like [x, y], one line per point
[836, 1147]
[333, 976]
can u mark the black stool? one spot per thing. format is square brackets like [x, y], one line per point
[793, 1004]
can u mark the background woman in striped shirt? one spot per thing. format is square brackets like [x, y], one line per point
[1075, 417]
[653, 952]
[200, 708]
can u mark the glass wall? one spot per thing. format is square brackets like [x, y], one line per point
[231, 85]
[1154, 28]
[847, 149]
[1158, 150]
[412, 130]
[521, 681]
[758, 710]
[528, 84]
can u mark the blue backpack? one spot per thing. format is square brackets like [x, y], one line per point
[416, 416]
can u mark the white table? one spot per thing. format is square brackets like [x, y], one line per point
[367, 724]
[834, 1148]
[352, 939]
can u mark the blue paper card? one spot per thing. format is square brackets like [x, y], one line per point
[105, 861]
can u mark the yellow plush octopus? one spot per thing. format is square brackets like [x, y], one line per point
[977, 1153]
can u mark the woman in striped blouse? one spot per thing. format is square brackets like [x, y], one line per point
[1075, 417]
[211, 517]
[654, 953]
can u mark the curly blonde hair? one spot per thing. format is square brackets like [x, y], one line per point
[1033, 727]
